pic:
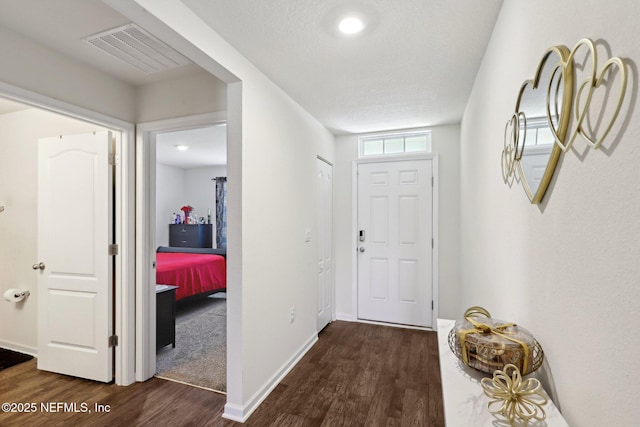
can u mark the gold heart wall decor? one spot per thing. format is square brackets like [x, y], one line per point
[550, 114]
[513, 144]
[542, 102]
[582, 105]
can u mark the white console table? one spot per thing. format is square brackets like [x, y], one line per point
[465, 403]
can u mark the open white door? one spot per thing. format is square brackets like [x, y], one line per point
[395, 238]
[75, 289]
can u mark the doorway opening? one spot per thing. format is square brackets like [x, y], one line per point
[190, 223]
[184, 240]
[32, 124]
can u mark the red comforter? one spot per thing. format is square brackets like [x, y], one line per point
[193, 273]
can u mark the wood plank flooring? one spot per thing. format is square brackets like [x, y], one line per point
[356, 375]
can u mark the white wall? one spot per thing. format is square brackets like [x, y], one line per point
[568, 269]
[187, 96]
[273, 145]
[83, 86]
[170, 186]
[19, 134]
[34, 67]
[446, 144]
[279, 269]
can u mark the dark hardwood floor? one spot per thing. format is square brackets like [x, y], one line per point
[356, 375]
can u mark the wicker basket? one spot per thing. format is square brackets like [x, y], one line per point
[488, 344]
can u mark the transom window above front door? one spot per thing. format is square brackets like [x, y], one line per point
[397, 143]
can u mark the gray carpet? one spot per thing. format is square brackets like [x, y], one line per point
[200, 356]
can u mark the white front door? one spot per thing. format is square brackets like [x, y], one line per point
[324, 214]
[395, 221]
[75, 289]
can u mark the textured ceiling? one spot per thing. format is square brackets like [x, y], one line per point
[413, 66]
[62, 24]
[207, 146]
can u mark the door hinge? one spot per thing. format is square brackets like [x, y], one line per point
[431, 304]
[432, 243]
[114, 159]
[433, 182]
[113, 341]
[113, 249]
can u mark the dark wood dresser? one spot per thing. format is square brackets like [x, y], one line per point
[191, 235]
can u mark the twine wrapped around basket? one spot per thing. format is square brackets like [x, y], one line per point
[488, 344]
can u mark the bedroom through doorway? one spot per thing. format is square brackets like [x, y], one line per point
[190, 254]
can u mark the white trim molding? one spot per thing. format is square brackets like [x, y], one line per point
[32, 351]
[242, 413]
[345, 317]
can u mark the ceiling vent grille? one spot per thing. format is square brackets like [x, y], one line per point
[137, 48]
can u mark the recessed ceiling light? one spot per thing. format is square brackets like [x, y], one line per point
[182, 147]
[351, 25]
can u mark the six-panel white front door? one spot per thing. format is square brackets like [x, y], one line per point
[395, 217]
[75, 296]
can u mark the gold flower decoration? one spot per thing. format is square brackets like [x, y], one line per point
[513, 397]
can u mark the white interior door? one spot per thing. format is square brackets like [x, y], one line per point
[395, 253]
[324, 214]
[75, 296]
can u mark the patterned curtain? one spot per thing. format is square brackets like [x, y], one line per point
[221, 212]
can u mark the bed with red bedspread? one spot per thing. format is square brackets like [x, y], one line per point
[194, 271]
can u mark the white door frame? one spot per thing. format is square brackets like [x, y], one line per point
[124, 219]
[354, 231]
[145, 319]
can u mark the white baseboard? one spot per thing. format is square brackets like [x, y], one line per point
[395, 325]
[347, 317]
[234, 413]
[241, 413]
[19, 348]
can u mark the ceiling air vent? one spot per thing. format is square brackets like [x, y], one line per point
[137, 48]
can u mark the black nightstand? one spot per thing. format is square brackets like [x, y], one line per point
[165, 316]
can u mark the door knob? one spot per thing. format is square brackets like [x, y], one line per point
[361, 249]
[39, 266]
